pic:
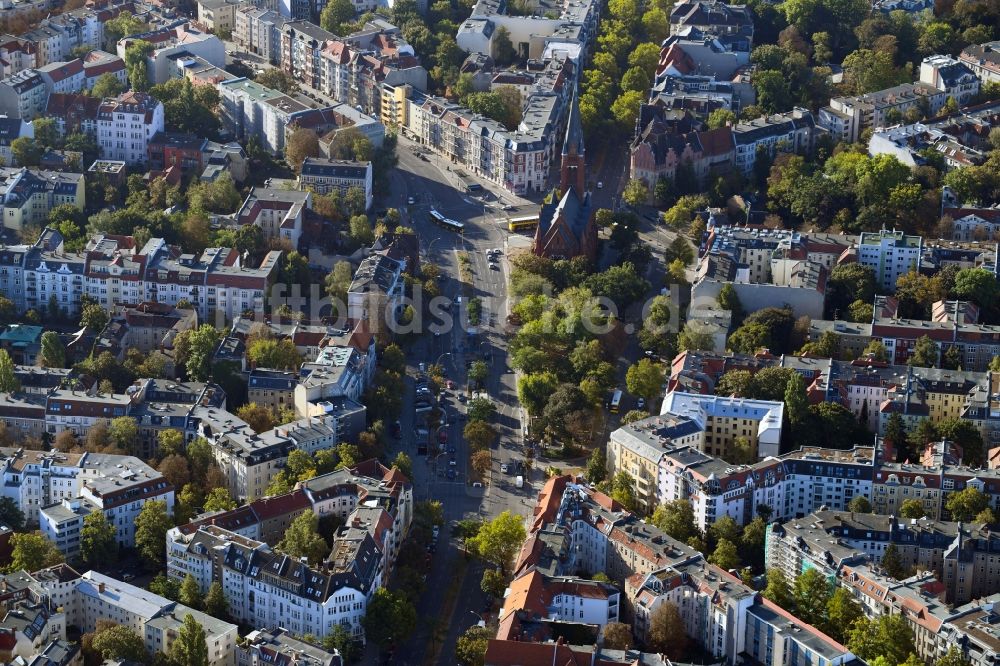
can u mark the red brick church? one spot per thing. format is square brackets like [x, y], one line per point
[566, 226]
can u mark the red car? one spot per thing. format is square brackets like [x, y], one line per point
[443, 437]
[450, 384]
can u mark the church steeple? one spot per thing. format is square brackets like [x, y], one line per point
[573, 168]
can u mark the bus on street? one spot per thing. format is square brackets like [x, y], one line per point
[522, 223]
[616, 401]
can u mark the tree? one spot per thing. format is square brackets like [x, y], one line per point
[721, 118]
[966, 435]
[876, 351]
[94, 317]
[504, 52]
[11, 514]
[136, 64]
[859, 504]
[892, 563]
[478, 372]
[842, 611]
[124, 432]
[977, 285]
[812, 593]
[98, 545]
[151, 527]
[335, 14]
[31, 551]
[276, 79]
[676, 518]
[165, 587]
[302, 143]
[123, 25]
[725, 555]
[667, 634]
[848, 283]
[219, 499]
[597, 466]
[340, 640]
[404, 464]
[778, 590]
[479, 435]
[53, 354]
[966, 503]
[617, 636]
[888, 637]
[215, 603]
[190, 648]
[623, 490]
[470, 648]
[499, 540]
[493, 583]
[636, 193]
[625, 109]
[274, 353]
[119, 643]
[302, 539]
[912, 509]
[107, 85]
[644, 379]
[8, 380]
[389, 618]
[25, 151]
[796, 401]
[190, 592]
[195, 348]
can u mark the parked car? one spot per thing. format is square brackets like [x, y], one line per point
[410, 200]
[504, 469]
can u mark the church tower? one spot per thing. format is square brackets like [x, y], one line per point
[573, 166]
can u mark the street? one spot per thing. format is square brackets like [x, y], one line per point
[429, 181]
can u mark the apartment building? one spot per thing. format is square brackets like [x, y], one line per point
[276, 646]
[250, 109]
[217, 15]
[376, 292]
[24, 95]
[331, 384]
[32, 622]
[889, 254]
[274, 389]
[265, 588]
[721, 626]
[533, 595]
[796, 282]
[74, 113]
[638, 448]
[576, 528]
[175, 40]
[116, 484]
[791, 132]
[983, 60]
[792, 484]
[959, 555]
[11, 129]
[324, 176]
[248, 460]
[724, 420]
[126, 124]
[280, 213]
[663, 145]
[713, 18]
[28, 195]
[259, 30]
[954, 76]
[156, 619]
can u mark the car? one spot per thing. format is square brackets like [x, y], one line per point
[461, 397]
[504, 469]
[452, 474]
[494, 266]
[435, 531]
[600, 185]
[451, 450]
[437, 334]
[452, 462]
[477, 484]
[641, 403]
[127, 577]
[443, 436]
[450, 384]
[410, 201]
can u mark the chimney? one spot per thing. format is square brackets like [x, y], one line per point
[100, 588]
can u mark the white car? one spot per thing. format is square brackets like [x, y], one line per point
[410, 201]
[504, 469]
[641, 403]
[600, 185]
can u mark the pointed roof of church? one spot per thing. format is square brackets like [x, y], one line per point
[574, 129]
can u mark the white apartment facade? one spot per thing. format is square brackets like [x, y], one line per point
[890, 254]
[125, 126]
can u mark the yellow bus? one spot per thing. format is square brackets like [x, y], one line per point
[616, 401]
[523, 223]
